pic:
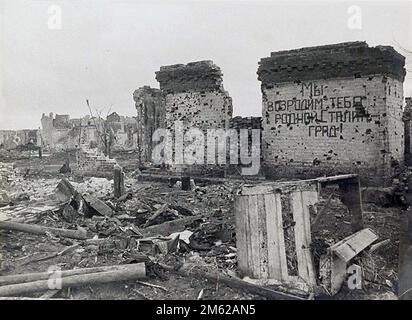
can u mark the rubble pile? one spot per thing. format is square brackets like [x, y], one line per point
[176, 240]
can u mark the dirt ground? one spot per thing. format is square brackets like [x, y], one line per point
[213, 236]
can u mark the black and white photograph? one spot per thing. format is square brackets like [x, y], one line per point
[201, 158]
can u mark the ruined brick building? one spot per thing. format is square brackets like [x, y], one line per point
[326, 109]
[333, 109]
[194, 96]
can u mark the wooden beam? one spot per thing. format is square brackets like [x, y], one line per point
[128, 272]
[29, 277]
[36, 229]
[118, 181]
[351, 246]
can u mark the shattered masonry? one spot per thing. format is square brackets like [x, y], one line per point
[93, 161]
[194, 94]
[150, 106]
[333, 109]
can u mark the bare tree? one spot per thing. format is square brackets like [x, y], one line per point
[105, 133]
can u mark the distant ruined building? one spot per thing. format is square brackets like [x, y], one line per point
[59, 132]
[14, 139]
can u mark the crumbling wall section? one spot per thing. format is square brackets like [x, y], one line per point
[194, 96]
[92, 161]
[332, 109]
[150, 107]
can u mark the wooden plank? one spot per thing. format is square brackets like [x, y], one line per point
[263, 238]
[241, 216]
[262, 188]
[281, 239]
[272, 237]
[270, 187]
[379, 245]
[80, 234]
[254, 258]
[248, 239]
[296, 202]
[276, 240]
[351, 246]
[336, 178]
[300, 201]
[310, 198]
[118, 183]
[30, 277]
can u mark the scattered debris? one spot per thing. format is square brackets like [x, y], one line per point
[184, 237]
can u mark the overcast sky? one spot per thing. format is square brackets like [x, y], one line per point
[106, 49]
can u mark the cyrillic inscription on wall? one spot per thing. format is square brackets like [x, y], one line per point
[323, 114]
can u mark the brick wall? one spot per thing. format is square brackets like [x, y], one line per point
[333, 109]
[194, 95]
[92, 160]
